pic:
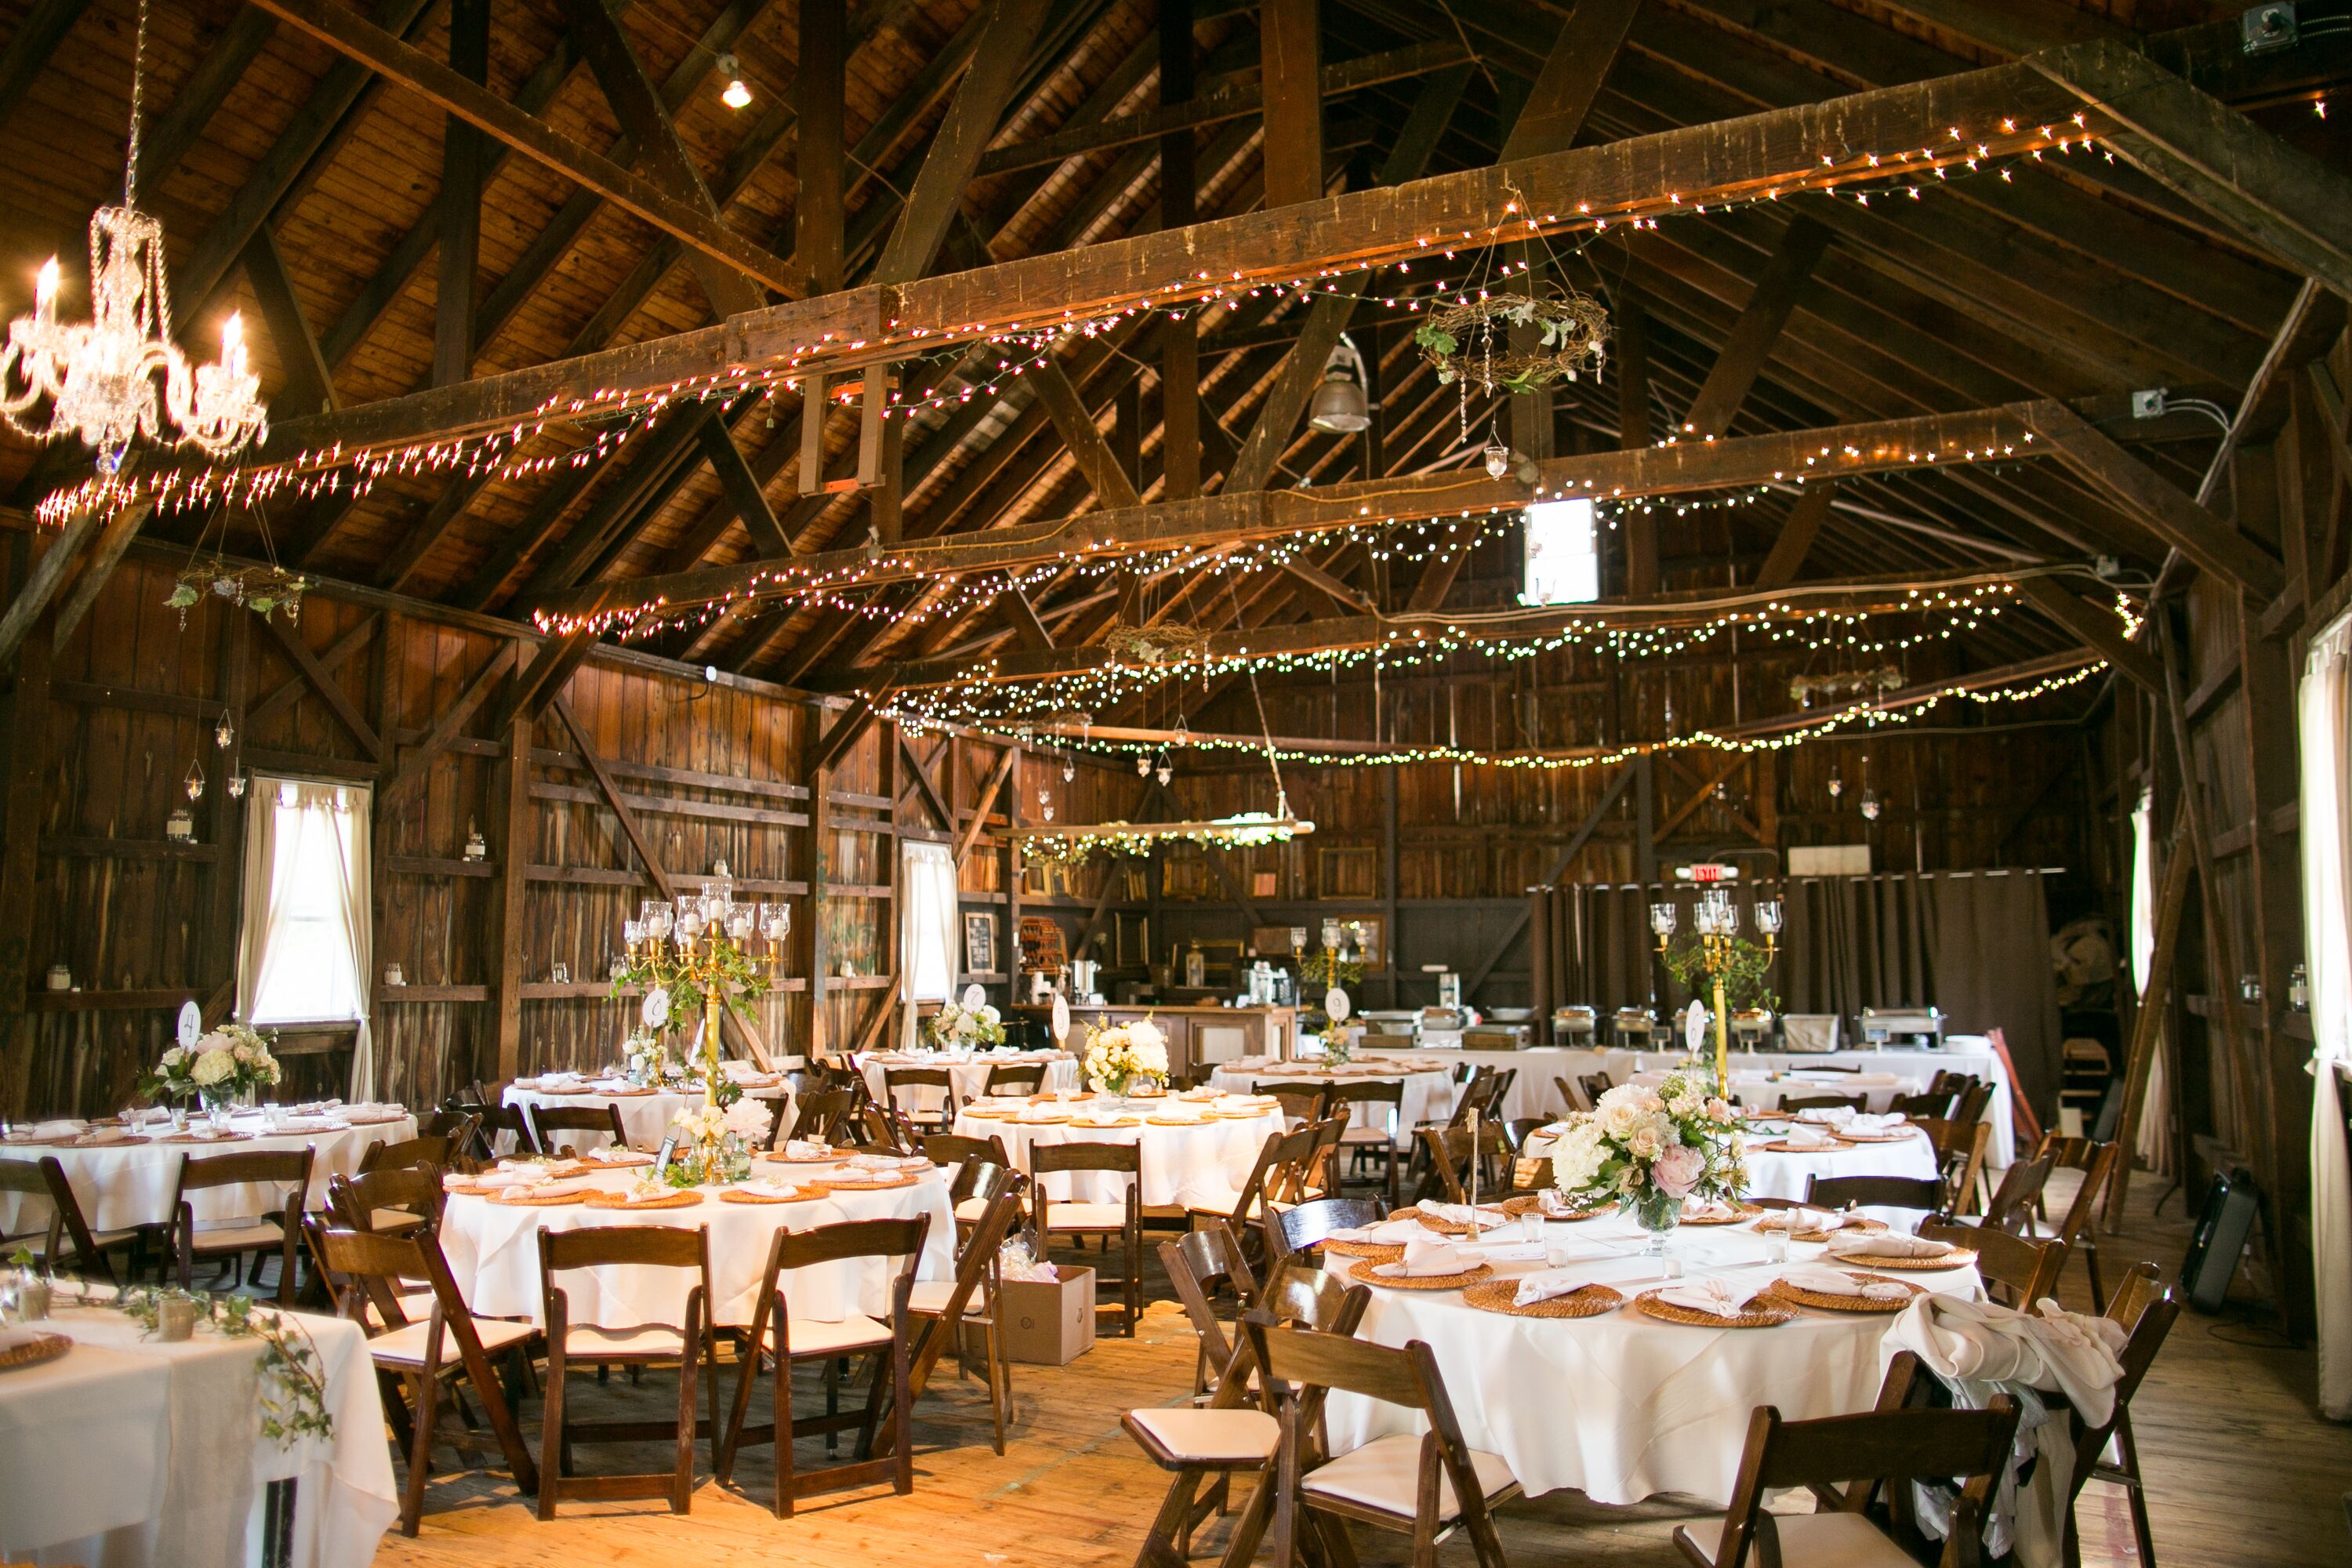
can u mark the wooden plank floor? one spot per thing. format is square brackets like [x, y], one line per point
[2241, 1472]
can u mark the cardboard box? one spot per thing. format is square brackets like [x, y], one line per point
[1049, 1325]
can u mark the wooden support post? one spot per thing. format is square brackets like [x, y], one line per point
[225, 890]
[310, 384]
[1012, 875]
[518, 848]
[1179, 342]
[25, 744]
[1797, 534]
[1389, 879]
[1749, 346]
[460, 202]
[819, 945]
[1291, 36]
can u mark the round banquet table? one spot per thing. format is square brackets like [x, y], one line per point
[645, 1113]
[966, 1070]
[1772, 1174]
[1763, 1090]
[493, 1252]
[1201, 1166]
[128, 1181]
[1430, 1090]
[128, 1452]
[1624, 1406]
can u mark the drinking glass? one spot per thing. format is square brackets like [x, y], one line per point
[1776, 1246]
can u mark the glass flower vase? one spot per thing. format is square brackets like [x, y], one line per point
[1657, 1214]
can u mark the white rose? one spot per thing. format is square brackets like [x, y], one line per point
[174, 1057]
[1618, 1121]
[989, 1015]
[1645, 1143]
[1144, 1032]
[212, 1067]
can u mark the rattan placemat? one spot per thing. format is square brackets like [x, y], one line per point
[829, 1157]
[632, 1092]
[1365, 1272]
[685, 1199]
[1454, 1228]
[1905, 1136]
[987, 1115]
[1781, 1290]
[1781, 1146]
[1177, 1121]
[1499, 1296]
[35, 1350]
[1378, 1251]
[876, 1183]
[582, 1089]
[523, 1198]
[1778, 1219]
[1957, 1257]
[1739, 1211]
[1751, 1317]
[1106, 1126]
[1079, 1097]
[799, 1196]
[201, 1138]
[1532, 1203]
[611, 1163]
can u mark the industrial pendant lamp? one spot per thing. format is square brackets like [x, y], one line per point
[1340, 405]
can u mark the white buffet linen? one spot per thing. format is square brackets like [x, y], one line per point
[967, 1070]
[493, 1251]
[1201, 1165]
[1622, 1406]
[130, 1181]
[1430, 1091]
[127, 1452]
[645, 1118]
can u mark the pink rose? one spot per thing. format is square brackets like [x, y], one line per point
[1678, 1170]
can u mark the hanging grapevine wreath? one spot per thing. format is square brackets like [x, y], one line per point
[1470, 342]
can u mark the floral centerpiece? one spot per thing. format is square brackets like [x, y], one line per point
[1125, 1057]
[1648, 1151]
[717, 1145]
[954, 1027]
[222, 1067]
[648, 1059]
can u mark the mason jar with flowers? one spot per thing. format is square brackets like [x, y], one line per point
[1650, 1151]
[231, 1063]
[1124, 1058]
[958, 1028]
[716, 1145]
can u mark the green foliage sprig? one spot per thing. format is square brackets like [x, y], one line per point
[1743, 970]
[1326, 968]
[293, 1380]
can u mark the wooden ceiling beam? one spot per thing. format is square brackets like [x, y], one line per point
[306, 384]
[2208, 542]
[2096, 628]
[381, 52]
[1759, 327]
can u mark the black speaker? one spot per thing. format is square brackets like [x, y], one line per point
[2224, 1224]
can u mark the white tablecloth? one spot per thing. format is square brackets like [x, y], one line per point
[1917, 1069]
[1202, 1165]
[969, 1072]
[127, 1452]
[1624, 1407]
[493, 1252]
[1430, 1092]
[644, 1117]
[131, 1183]
[1530, 1094]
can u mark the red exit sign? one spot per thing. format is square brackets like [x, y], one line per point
[1707, 871]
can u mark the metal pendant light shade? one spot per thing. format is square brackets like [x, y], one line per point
[1341, 405]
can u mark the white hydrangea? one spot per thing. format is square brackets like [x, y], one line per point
[212, 1067]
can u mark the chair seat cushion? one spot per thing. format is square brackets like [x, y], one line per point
[1385, 1474]
[393, 1222]
[1085, 1216]
[1373, 1137]
[405, 1346]
[641, 1340]
[1809, 1540]
[823, 1336]
[239, 1238]
[1201, 1436]
[971, 1211]
[1219, 1202]
[930, 1297]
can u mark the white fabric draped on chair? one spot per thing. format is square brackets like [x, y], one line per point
[2328, 942]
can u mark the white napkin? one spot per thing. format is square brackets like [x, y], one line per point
[1718, 1297]
[15, 1334]
[804, 1149]
[1707, 1209]
[1875, 1126]
[1827, 1115]
[611, 1154]
[553, 1189]
[508, 1175]
[1422, 1259]
[1555, 1205]
[1807, 1140]
[559, 1080]
[885, 1161]
[1983, 1341]
[1795, 1220]
[767, 1189]
[1575, 1277]
[1884, 1244]
[1095, 1119]
[455, 1179]
[1838, 1282]
[1387, 1233]
[98, 1136]
[65, 1127]
[1459, 1213]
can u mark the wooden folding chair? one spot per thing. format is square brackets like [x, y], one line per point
[1199, 1265]
[940, 1118]
[2077, 1228]
[424, 1149]
[1300, 1101]
[1937, 1103]
[1375, 1117]
[416, 1355]
[1959, 1158]
[1824, 1101]
[1304, 1229]
[2146, 1310]
[1924, 1193]
[778, 1340]
[2018, 1271]
[279, 1230]
[821, 1116]
[44, 1181]
[1424, 1486]
[390, 1201]
[1014, 1077]
[688, 1346]
[2013, 1201]
[1078, 1220]
[1849, 1462]
[1450, 1150]
[941, 1308]
[1595, 1085]
[1210, 1444]
[547, 1121]
[505, 1119]
[1278, 1175]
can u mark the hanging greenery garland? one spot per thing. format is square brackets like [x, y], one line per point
[1470, 342]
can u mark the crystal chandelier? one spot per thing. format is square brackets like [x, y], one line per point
[101, 378]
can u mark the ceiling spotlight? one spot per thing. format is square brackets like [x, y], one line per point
[1341, 404]
[735, 95]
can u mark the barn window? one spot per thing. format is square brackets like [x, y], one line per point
[1563, 558]
[306, 904]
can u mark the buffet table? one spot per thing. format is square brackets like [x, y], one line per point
[127, 1451]
[1624, 1407]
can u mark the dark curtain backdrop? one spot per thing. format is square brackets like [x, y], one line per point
[1975, 945]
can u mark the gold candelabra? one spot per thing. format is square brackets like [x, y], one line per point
[702, 942]
[1716, 923]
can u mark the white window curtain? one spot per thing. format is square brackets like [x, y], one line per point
[2153, 1145]
[927, 929]
[2327, 946]
[305, 948]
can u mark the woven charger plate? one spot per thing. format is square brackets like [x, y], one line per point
[632, 1162]
[1780, 1146]
[1532, 1203]
[738, 1195]
[1496, 1295]
[1106, 1126]
[876, 1183]
[1364, 1271]
[1860, 1222]
[1446, 1227]
[1781, 1290]
[522, 1198]
[988, 1115]
[781, 1158]
[1957, 1257]
[1875, 1137]
[581, 1090]
[1754, 1317]
[630, 1093]
[1739, 1211]
[196, 1138]
[1080, 1097]
[35, 1350]
[1176, 1121]
[684, 1199]
[1378, 1251]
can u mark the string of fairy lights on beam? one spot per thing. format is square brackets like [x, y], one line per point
[615, 414]
[1900, 708]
